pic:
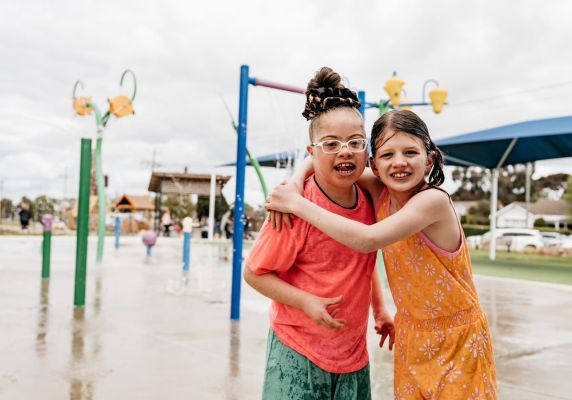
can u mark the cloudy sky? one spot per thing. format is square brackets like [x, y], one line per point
[502, 62]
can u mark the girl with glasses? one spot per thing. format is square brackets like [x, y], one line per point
[322, 290]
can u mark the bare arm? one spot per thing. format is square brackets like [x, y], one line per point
[370, 183]
[302, 173]
[298, 177]
[383, 321]
[271, 286]
[421, 211]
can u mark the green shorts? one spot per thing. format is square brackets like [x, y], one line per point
[291, 376]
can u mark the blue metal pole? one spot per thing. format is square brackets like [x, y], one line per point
[239, 196]
[361, 97]
[187, 234]
[186, 251]
[117, 232]
[149, 251]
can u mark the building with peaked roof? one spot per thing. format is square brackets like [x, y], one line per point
[183, 184]
[135, 212]
[514, 215]
[133, 203]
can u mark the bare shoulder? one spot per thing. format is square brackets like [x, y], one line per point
[371, 184]
[434, 199]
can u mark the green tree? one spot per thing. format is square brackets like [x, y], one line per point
[180, 206]
[43, 205]
[221, 206]
[475, 184]
[7, 208]
[567, 196]
[479, 215]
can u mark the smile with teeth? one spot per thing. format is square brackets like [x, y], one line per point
[345, 168]
[400, 175]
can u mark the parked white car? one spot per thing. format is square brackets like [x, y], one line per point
[552, 239]
[514, 239]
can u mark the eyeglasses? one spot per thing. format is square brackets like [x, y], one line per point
[335, 146]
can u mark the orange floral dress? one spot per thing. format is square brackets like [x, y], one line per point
[443, 348]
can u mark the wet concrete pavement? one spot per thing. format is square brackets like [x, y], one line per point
[144, 334]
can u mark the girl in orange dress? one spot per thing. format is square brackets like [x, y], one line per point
[443, 347]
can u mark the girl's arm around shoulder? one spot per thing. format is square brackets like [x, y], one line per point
[371, 184]
[422, 210]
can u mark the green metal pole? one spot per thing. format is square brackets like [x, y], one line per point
[82, 223]
[46, 246]
[258, 170]
[100, 199]
[253, 161]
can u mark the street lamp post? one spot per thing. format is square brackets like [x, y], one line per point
[120, 106]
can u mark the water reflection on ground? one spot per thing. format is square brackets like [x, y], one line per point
[148, 331]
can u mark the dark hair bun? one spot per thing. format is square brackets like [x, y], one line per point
[326, 91]
[325, 78]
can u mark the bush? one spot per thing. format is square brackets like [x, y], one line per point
[472, 230]
[540, 222]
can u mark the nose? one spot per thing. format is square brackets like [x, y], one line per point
[399, 160]
[345, 150]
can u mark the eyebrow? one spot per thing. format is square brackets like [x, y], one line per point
[353, 136]
[392, 149]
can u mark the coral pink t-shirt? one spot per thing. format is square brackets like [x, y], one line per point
[310, 260]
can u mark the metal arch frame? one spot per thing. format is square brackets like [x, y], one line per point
[245, 82]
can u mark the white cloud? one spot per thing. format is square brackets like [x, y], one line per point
[186, 55]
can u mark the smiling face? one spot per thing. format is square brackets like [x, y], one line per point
[401, 161]
[341, 170]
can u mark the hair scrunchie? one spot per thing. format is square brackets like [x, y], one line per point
[324, 99]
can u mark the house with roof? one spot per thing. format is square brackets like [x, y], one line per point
[515, 215]
[135, 211]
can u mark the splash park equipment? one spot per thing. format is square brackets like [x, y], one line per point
[149, 239]
[47, 221]
[187, 234]
[120, 106]
[393, 88]
[82, 223]
[117, 231]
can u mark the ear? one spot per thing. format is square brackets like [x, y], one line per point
[430, 161]
[373, 166]
[310, 150]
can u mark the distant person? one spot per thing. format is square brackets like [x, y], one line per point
[166, 223]
[217, 229]
[227, 224]
[25, 216]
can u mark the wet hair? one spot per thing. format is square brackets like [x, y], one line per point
[325, 92]
[408, 122]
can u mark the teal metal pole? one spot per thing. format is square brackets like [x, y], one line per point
[100, 200]
[47, 245]
[82, 228]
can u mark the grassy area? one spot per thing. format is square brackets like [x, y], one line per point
[532, 267]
